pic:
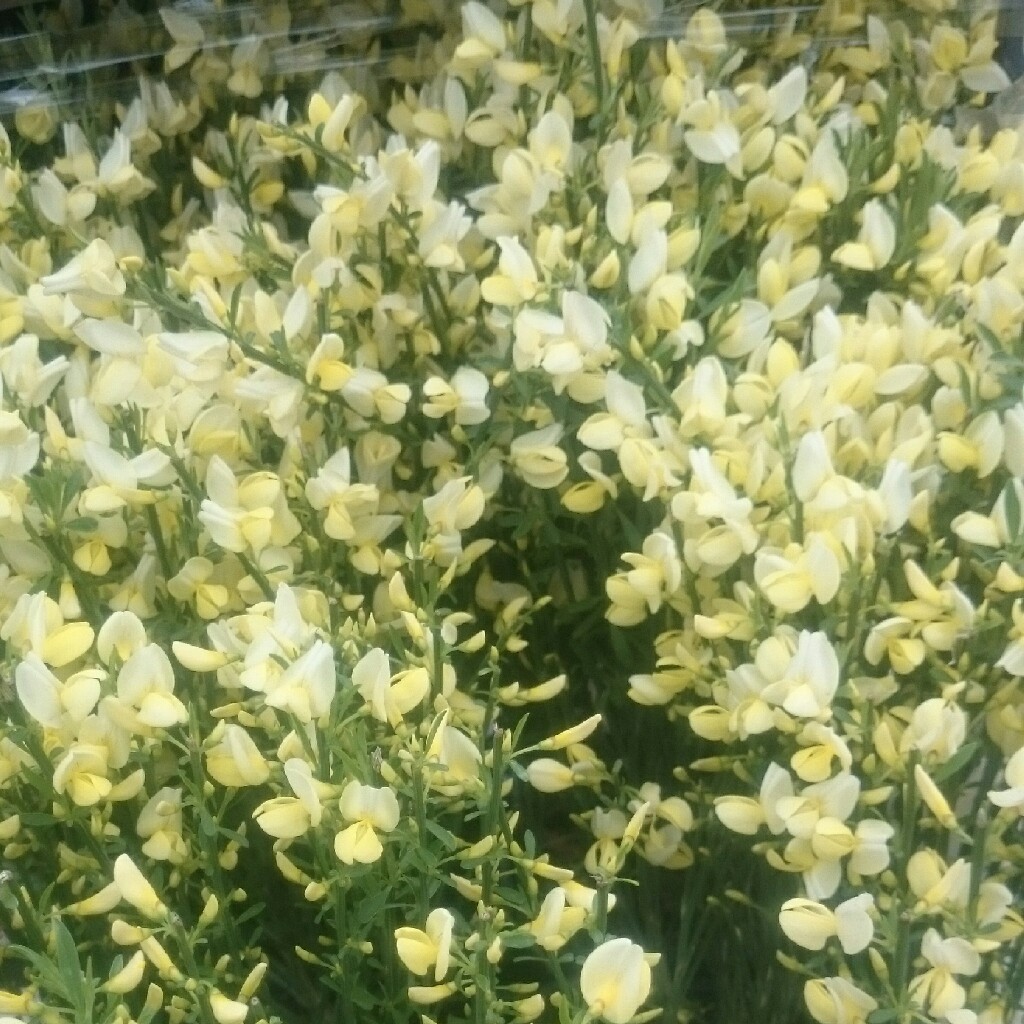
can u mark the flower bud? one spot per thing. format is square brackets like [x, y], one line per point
[136, 890]
[129, 977]
[575, 734]
[932, 796]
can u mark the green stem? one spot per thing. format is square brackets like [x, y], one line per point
[158, 542]
[590, 6]
[902, 900]
[601, 908]
[258, 575]
[341, 933]
[484, 995]
[490, 825]
[435, 320]
[988, 777]
[184, 943]
[420, 810]
[527, 32]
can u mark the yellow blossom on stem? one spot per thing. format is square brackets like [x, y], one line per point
[371, 810]
[615, 980]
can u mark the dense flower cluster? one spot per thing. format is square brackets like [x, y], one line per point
[381, 459]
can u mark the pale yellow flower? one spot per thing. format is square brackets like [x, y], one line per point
[550, 776]
[615, 980]
[811, 925]
[556, 923]
[937, 885]
[227, 1011]
[233, 759]
[875, 243]
[290, 817]
[464, 397]
[82, 774]
[129, 977]
[792, 577]
[145, 688]
[934, 798]
[1013, 774]
[248, 514]
[160, 825]
[536, 457]
[421, 950]
[654, 577]
[838, 1001]
[388, 697]
[937, 989]
[371, 810]
[136, 890]
[51, 701]
[187, 34]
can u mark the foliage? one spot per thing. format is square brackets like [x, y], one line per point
[526, 528]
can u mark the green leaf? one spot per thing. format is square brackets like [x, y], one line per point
[529, 843]
[1011, 500]
[962, 757]
[370, 907]
[67, 957]
[880, 1016]
[447, 839]
[83, 524]
[49, 974]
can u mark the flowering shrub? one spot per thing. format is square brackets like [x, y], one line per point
[481, 522]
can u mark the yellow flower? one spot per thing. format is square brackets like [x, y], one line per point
[145, 684]
[615, 980]
[233, 759]
[187, 34]
[159, 958]
[136, 890]
[160, 824]
[936, 989]
[811, 925]
[790, 578]
[227, 1011]
[875, 243]
[936, 885]
[712, 137]
[838, 1001]
[654, 578]
[933, 798]
[536, 457]
[1013, 775]
[246, 515]
[52, 702]
[129, 977]
[388, 698]
[82, 774]
[567, 737]
[421, 950]
[516, 280]
[465, 397]
[424, 995]
[371, 809]
[556, 923]
[36, 624]
[457, 757]
[90, 278]
[101, 902]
